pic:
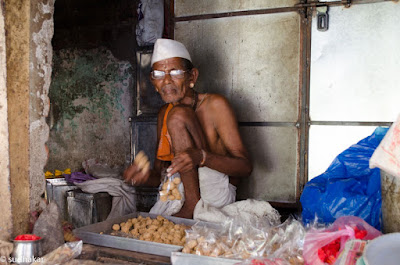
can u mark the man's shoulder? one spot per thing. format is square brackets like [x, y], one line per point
[216, 100]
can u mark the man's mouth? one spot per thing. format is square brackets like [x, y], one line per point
[168, 90]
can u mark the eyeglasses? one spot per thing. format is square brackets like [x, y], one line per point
[175, 74]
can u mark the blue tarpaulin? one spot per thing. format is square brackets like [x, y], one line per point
[347, 187]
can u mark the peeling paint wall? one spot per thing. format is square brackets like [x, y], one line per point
[91, 92]
[42, 28]
[5, 192]
[91, 101]
[29, 27]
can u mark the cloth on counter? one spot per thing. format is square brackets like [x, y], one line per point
[387, 154]
[164, 151]
[247, 211]
[77, 177]
[123, 201]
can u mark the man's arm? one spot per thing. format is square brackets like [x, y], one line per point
[134, 176]
[236, 162]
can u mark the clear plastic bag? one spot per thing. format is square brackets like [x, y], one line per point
[171, 188]
[62, 254]
[286, 241]
[237, 240]
[169, 202]
[264, 261]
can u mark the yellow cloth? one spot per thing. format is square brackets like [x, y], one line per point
[164, 151]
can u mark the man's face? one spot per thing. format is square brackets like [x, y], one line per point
[171, 89]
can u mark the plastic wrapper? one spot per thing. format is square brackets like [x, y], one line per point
[264, 261]
[83, 262]
[353, 250]
[62, 254]
[171, 195]
[324, 245]
[171, 189]
[286, 242]
[243, 241]
[49, 227]
[387, 154]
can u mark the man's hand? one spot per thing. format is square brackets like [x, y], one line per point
[134, 176]
[138, 173]
[185, 161]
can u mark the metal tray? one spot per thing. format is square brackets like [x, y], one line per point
[91, 234]
[179, 258]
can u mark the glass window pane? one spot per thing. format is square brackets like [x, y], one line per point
[355, 64]
[326, 142]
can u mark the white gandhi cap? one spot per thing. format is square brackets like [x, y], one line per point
[166, 48]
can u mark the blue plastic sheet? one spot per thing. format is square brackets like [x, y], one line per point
[347, 187]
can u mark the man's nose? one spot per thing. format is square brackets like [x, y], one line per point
[167, 78]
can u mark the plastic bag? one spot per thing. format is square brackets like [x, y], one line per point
[62, 254]
[150, 21]
[348, 186]
[264, 261]
[236, 240]
[387, 155]
[353, 250]
[343, 229]
[172, 189]
[167, 202]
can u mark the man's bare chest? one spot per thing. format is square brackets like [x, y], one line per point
[214, 141]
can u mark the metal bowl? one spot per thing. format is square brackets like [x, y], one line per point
[27, 251]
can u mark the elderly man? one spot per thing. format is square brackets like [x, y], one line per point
[197, 133]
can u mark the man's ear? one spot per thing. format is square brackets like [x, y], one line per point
[194, 75]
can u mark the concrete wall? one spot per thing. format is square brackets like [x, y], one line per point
[91, 92]
[253, 60]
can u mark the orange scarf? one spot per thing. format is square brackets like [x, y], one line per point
[164, 151]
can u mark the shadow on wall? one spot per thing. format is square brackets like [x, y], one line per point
[217, 74]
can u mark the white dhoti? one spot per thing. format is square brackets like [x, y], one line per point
[217, 202]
